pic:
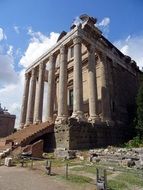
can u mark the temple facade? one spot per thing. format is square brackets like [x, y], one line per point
[90, 84]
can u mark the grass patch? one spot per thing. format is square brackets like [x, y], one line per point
[77, 179]
[125, 181]
[130, 178]
[116, 185]
[90, 169]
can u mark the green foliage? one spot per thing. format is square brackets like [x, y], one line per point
[134, 143]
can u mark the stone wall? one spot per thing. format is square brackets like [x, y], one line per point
[84, 135]
[7, 122]
[123, 90]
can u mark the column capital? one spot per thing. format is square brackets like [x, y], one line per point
[63, 49]
[91, 48]
[102, 56]
[42, 66]
[77, 40]
[51, 58]
[27, 76]
[33, 73]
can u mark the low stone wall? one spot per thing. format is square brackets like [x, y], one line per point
[35, 149]
[84, 135]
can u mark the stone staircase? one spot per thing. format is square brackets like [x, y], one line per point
[25, 136]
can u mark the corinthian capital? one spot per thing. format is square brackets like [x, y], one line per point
[77, 40]
[33, 72]
[42, 66]
[91, 48]
[62, 49]
[51, 58]
[27, 76]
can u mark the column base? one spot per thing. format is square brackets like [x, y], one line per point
[37, 122]
[94, 119]
[61, 119]
[79, 116]
[22, 125]
[28, 123]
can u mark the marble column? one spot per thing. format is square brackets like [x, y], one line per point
[105, 95]
[25, 101]
[51, 88]
[77, 80]
[62, 100]
[31, 100]
[40, 93]
[93, 101]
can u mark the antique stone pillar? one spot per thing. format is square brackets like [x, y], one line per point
[105, 94]
[25, 101]
[40, 92]
[77, 80]
[31, 100]
[93, 102]
[51, 88]
[62, 100]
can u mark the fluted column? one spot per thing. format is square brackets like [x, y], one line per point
[25, 101]
[62, 100]
[40, 93]
[105, 97]
[51, 88]
[93, 102]
[31, 101]
[77, 80]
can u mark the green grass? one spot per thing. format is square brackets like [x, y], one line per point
[117, 185]
[90, 169]
[131, 178]
[125, 181]
[77, 179]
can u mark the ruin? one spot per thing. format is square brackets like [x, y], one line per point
[91, 91]
[7, 122]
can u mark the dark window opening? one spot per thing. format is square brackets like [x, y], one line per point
[113, 106]
[71, 52]
[71, 97]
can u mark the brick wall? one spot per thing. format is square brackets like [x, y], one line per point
[6, 124]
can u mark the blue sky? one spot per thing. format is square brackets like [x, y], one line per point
[28, 28]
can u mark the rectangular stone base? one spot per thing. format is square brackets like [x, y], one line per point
[85, 135]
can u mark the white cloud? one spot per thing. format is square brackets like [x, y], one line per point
[104, 25]
[77, 21]
[2, 35]
[132, 46]
[104, 22]
[10, 97]
[16, 29]
[10, 50]
[12, 82]
[39, 44]
[7, 72]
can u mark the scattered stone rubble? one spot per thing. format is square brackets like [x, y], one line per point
[5, 153]
[132, 157]
[129, 157]
[64, 153]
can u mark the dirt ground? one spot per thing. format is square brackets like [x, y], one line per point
[18, 178]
